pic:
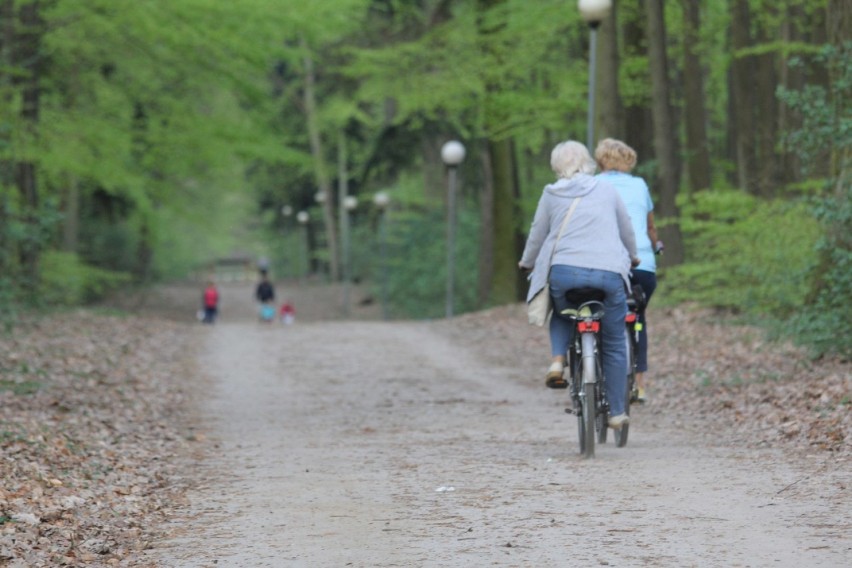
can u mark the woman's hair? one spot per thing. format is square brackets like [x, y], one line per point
[569, 158]
[612, 154]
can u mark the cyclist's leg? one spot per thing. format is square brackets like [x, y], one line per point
[562, 279]
[614, 346]
[648, 281]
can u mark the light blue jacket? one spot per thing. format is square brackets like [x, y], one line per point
[598, 235]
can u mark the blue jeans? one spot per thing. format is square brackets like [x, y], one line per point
[562, 279]
[648, 281]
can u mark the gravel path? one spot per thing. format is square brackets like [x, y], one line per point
[411, 444]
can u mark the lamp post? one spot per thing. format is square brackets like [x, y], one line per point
[593, 12]
[381, 200]
[302, 217]
[287, 213]
[452, 153]
[349, 203]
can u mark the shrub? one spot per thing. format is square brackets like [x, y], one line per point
[66, 281]
[747, 255]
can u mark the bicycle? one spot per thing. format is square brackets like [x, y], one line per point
[587, 387]
[635, 305]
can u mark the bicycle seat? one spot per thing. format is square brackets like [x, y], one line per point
[584, 302]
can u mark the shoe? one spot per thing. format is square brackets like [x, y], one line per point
[640, 395]
[555, 379]
[616, 422]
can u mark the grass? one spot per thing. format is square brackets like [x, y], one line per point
[20, 388]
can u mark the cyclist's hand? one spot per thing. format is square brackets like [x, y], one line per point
[659, 247]
[524, 269]
[634, 262]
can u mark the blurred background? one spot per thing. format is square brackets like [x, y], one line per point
[169, 140]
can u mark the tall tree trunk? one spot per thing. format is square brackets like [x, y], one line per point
[765, 84]
[27, 58]
[610, 117]
[7, 34]
[665, 135]
[741, 119]
[697, 152]
[486, 230]
[504, 279]
[320, 171]
[71, 226]
[638, 123]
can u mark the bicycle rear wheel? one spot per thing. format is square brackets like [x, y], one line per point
[587, 420]
[621, 434]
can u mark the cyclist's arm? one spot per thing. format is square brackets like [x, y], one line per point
[625, 230]
[652, 228]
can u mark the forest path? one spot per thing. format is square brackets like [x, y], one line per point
[355, 443]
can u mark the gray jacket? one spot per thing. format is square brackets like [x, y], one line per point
[599, 234]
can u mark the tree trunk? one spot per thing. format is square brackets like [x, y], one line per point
[27, 59]
[71, 227]
[741, 120]
[665, 135]
[697, 152]
[323, 182]
[610, 119]
[504, 286]
[765, 83]
[638, 123]
[486, 231]
[504, 236]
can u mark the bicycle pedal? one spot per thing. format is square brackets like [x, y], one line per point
[570, 411]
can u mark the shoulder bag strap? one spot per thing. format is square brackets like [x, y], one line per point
[562, 227]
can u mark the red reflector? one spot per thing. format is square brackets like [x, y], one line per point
[630, 318]
[589, 326]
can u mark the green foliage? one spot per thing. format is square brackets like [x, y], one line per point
[417, 256]
[749, 256]
[826, 324]
[66, 281]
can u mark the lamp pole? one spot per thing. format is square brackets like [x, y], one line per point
[302, 217]
[593, 12]
[349, 203]
[287, 213]
[452, 153]
[382, 200]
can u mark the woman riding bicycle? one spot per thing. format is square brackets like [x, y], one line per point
[616, 160]
[596, 250]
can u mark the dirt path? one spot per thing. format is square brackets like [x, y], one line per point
[393, 444]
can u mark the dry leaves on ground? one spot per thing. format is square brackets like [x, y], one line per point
[707, 371]
[91, 417]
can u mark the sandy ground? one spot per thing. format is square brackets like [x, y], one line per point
[368, 443]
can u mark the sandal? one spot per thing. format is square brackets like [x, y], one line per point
[555, 378]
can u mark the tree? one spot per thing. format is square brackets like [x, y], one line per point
[695, 112]
[665, 137]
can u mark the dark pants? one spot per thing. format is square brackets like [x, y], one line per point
[209, 315]
[648, 281]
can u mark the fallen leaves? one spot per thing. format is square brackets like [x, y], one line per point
[85, 448]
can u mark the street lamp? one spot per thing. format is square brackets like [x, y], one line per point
[349, 203]
[452, 153]
[286, 212]
[382, 200]
[302, 217]
[593, 12]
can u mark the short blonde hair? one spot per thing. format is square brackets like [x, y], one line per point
[569, 158]
[612, 154]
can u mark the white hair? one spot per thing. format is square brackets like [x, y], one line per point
[569, 158]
